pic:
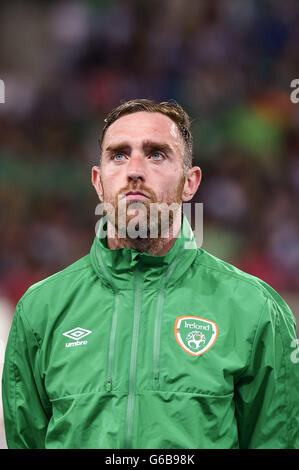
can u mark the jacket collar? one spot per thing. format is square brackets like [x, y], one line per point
[116, 267]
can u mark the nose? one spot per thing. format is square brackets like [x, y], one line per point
[136, 170]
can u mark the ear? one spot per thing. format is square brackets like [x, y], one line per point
[191, 184]
[96, 181]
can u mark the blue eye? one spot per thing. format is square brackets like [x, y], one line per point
[118, 157]
[156, 154]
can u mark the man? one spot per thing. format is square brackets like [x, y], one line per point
[149, 341]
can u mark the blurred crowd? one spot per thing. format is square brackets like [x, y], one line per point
[229, 63]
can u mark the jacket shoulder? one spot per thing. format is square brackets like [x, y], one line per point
[67, 276]
[229, 274]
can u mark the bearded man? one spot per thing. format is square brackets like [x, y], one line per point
[143, 343]
[145, 166]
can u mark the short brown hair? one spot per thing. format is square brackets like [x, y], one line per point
[169, 108]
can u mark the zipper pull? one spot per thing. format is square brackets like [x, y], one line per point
[156, 380]
[109, 385]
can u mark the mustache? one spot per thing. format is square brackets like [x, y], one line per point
[137, 188]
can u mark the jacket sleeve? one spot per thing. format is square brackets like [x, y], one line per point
[26, 408]
[267, 393]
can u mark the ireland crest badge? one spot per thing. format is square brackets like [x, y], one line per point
[195, 334]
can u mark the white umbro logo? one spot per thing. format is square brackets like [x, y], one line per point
[76, 334]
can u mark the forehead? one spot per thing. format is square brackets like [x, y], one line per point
[144, 125]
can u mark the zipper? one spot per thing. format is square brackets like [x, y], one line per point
[112, 343]
[157, 334]
[133, 361]
[114, 320]
[158, 321]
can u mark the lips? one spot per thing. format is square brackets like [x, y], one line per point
[135, 195]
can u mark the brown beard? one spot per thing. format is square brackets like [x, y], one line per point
[163, 222]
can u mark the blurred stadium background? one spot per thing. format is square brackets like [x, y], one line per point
[230, 63]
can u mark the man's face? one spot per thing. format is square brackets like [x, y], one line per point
[142, 161]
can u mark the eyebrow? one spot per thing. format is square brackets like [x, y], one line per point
[146, 145]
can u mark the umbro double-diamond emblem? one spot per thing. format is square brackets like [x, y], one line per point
[76, 334]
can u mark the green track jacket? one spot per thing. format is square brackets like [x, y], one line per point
[127, 350]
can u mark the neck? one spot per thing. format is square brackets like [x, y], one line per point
[153, 246]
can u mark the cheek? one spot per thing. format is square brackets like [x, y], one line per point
[110, 181]
[109, 174]
[170, 188]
